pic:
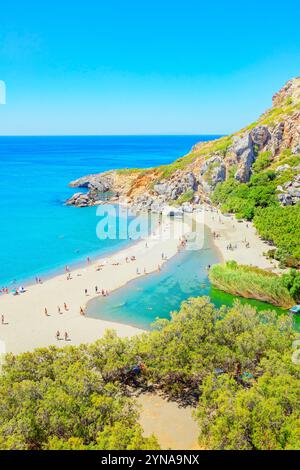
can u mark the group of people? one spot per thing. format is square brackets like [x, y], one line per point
[98, 291]
[4, 290]
[216, 235]
[231, 247]
[59, 310]
[19, 290]
[66, 336]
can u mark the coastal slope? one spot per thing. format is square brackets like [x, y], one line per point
[253, 174]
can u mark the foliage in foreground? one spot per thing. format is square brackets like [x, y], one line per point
[254, 283]
[233, 363]
[58, 399]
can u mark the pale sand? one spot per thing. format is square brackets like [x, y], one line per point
[237, 234]
[27, 325]
[174, 426]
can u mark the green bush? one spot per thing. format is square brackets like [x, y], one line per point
[234, 364]
[252, 283]
[262, 162]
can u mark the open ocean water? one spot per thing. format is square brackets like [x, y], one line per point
[39, 235]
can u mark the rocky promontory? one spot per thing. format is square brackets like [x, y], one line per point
[274, 138]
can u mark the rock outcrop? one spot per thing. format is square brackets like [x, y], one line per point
[192, 179]
[289, 194]
[212, 172]
[173, 188]
[97, 186]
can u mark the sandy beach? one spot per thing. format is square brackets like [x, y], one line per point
[28, 327]
[246, 246]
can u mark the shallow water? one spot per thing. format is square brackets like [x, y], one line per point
[39, 234]
[143, 300]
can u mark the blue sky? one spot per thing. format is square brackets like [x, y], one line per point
[143, 67]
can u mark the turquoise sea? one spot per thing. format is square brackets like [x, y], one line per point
[39, 235]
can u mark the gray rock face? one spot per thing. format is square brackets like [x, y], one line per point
[142, 203]
[291, 192]
[244, 151]
[282, 168]
[100, 183]
[161, 188]
[97, 185]
[172, 189]
[260, 136]
[296, 149]
[79, 200]
[212, 172]
[276, 139]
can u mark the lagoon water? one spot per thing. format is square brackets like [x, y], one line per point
[39, 235]
[155, 295]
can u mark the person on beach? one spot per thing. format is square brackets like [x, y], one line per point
[59, 310]
[88, 260]
[46, 312]
[58, 335]
[66, 307]
[67, 337]
[82, 311]
[2, 320]
[86, 291]
[96, 289]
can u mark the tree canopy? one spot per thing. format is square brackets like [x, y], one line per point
[234, 365]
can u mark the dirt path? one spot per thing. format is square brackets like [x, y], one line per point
[173, 425]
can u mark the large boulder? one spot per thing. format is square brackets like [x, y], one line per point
[161, 188]
[179, 184]
[100, 183]
[212, 172]
[79, 200]
[243, 149]
[290, 193]
[260, 136]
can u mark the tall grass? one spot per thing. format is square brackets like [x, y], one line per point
[250, 282]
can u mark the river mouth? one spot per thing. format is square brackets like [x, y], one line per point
[142, 301]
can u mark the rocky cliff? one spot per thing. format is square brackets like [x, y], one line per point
[190, 181]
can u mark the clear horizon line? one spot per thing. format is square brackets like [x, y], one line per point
[111, 135]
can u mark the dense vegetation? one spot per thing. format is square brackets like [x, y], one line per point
[254, 283]
[257, 201]
[234, 364]
[281, 225]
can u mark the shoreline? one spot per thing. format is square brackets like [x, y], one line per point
[26, 325]
[238, 234]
